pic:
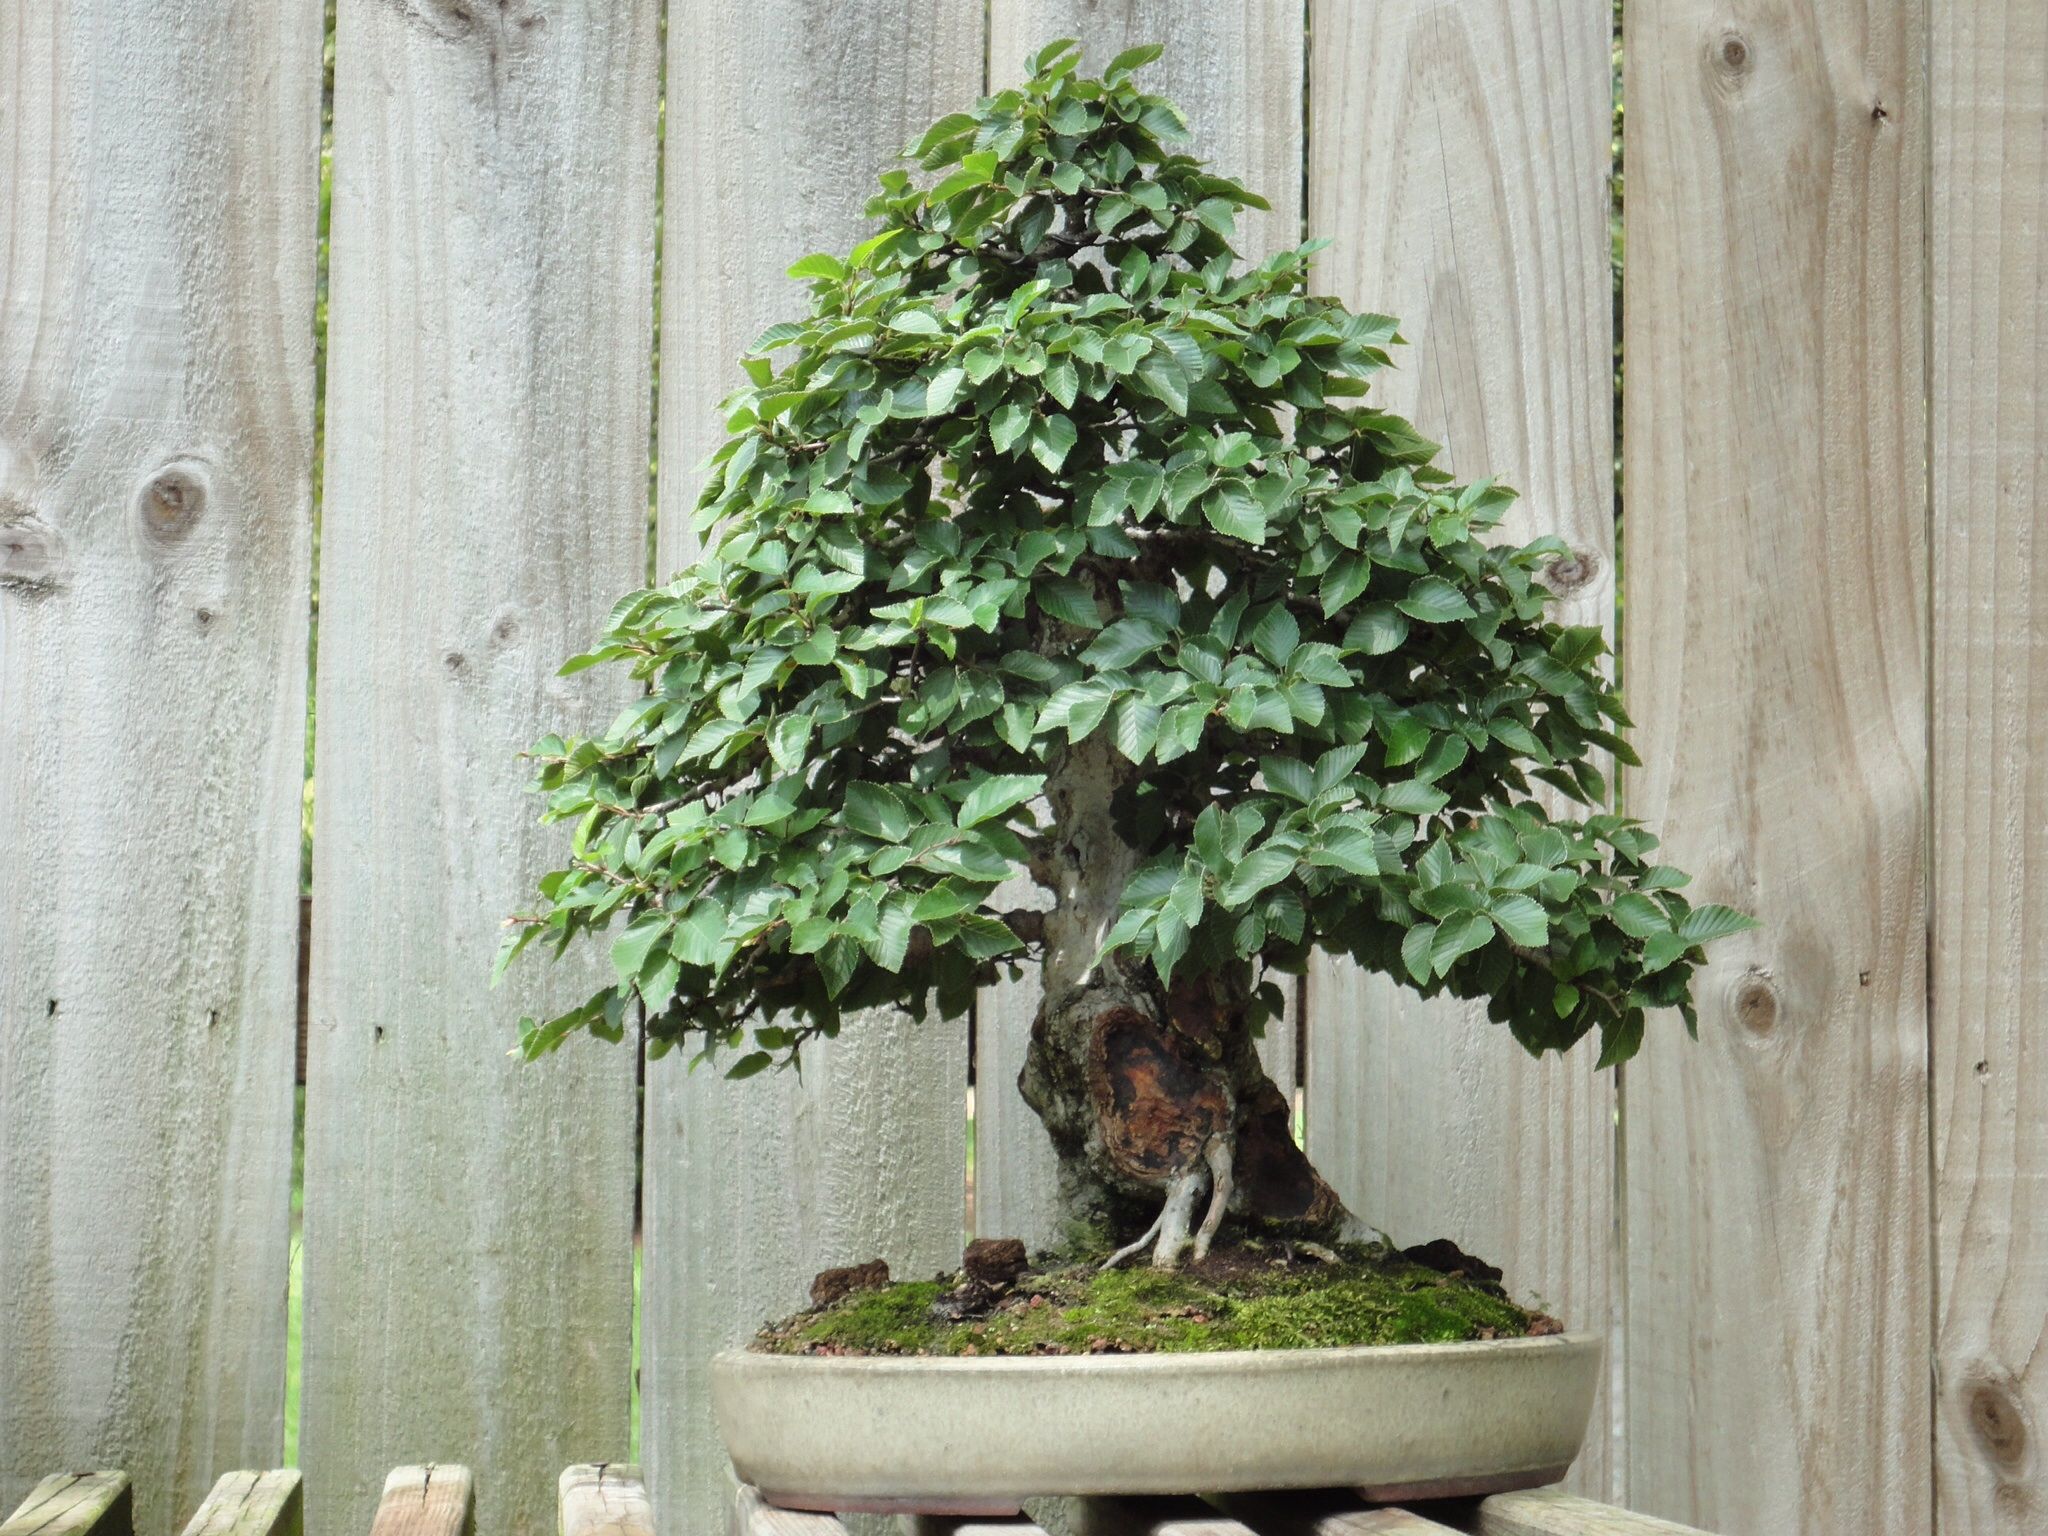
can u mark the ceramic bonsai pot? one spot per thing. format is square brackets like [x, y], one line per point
[946, 1435]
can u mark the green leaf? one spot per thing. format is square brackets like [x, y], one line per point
[1137, 727]
[943, 390]
[1130, 59]
[1435, 601]
[1523, 920]
[1416, 945]
[1052, 440]
[787, 738]
[1233, 510]
[1638, 916]
[915, 322]
[1007, 425]
[1377, 629]
[631, 948]
[1703, 925]
[818, 264]
[1458, 937]
[1255, 873]
[1067, 600]
[991, 797]
[1163, 377]
[875, 810]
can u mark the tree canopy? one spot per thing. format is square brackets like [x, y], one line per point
[1045, 467]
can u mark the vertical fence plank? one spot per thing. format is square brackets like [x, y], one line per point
[1777, 1186]
[1458, 161]
[157, 172]
[780, 116]
[469, 1218]
[1990, 801]
[1236, 71]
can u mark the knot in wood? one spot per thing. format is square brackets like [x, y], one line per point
[32, 560]
[171, 500]
[1756, 1004]
[1570, 574]
[1998, 1424]
[1732, 54]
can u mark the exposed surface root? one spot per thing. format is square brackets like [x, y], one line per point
[1218, 1156]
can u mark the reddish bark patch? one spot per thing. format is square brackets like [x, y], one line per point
[1157, 1108]
[1275, 1179]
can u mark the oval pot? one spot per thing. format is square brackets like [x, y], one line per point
[978, 1436]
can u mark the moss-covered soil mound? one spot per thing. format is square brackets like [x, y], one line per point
[1242, 1298]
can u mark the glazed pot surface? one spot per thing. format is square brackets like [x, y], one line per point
[978, 1435]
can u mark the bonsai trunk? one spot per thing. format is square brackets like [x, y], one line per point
[1154, 1097]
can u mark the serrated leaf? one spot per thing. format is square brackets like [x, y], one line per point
[1007, 425]
[1052, 440]
[875, 810]
[1523, 920]
[1253, 874]
[1377, 629]
[1435, 601]
[1137, 727]
[1416, 945]
[991, 797]
[1232, 509]
[1067, 600]
[943, 390]
[1703, 925]
[1457, 937]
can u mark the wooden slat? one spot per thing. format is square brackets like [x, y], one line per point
[468, 1231]
[1550, 1512]
[1989, 912]
[949, 1525]
[752, 1515]
[1458, 162]
[1237, 73]
[607, 1499]
[251, 1504]
[780, 115]
[1777, 1172]
[431, 1500]
[157, 172]
[75, 1504]
[1323, 1513]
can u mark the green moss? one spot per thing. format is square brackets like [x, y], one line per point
[1236, 1301]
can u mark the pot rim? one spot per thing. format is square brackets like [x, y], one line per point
[1577, 1340]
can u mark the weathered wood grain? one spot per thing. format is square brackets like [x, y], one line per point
[468, 1230]
[607, 1499]
[431, 1500]
[1322, 1513]
[251, 1504]
[1236, 71]
[779, 115]
[1989, 896]
[75, 1504]
[752, 1515]
[157, 172]
[1458, 161]
[1777, 1172]
[1550, 1512]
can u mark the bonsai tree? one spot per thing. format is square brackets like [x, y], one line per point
[1054, 540]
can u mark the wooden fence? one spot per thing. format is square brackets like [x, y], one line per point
[1819, 1237]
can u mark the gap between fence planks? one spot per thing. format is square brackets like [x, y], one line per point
[1458, 163]
[607, 1499]
[251, 1504]
[75, 1504]
[437, 1499]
